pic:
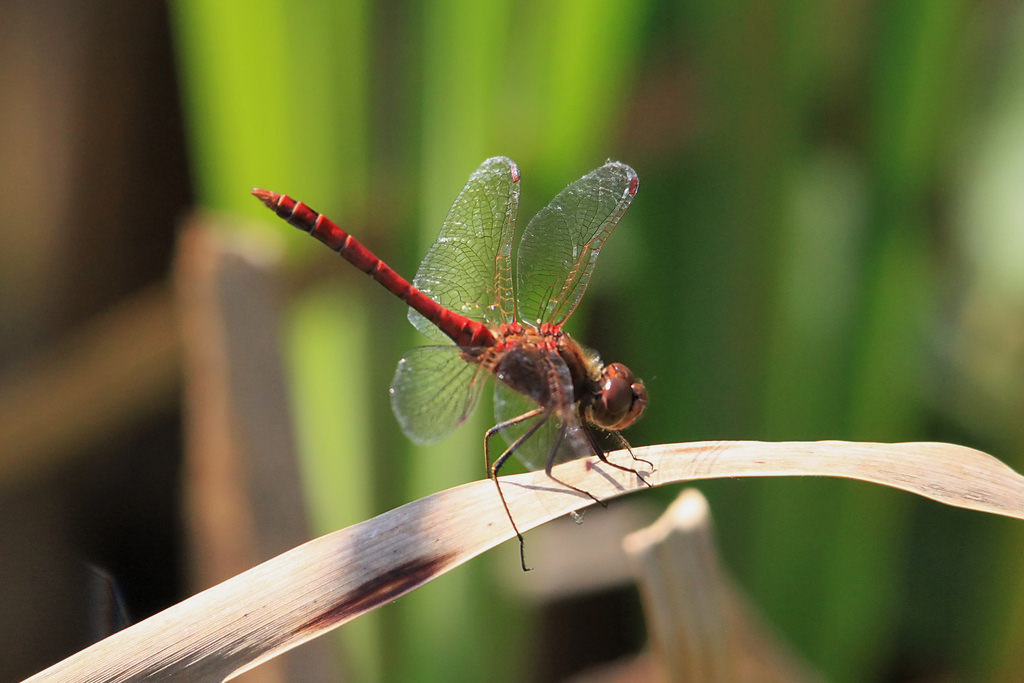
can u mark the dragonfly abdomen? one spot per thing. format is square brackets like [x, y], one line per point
[462, 330]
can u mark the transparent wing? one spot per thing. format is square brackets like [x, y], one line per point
[469, 268]
[434, 391]
[535, 451]
[562, 242]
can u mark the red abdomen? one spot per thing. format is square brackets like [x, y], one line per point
[462, 330]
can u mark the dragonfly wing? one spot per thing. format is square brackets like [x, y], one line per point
[469, 268]
[434, 391]
[562, 242]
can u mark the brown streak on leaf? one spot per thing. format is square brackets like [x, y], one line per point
[382, 588]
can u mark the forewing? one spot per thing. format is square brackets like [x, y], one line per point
[469, 268]
[562, 242]
[434, 391]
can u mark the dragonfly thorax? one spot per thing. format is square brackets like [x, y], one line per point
[557, 373]
[529, 361]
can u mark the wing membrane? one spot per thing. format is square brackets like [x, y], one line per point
[434, 391]
[562, 242]
[469, 268]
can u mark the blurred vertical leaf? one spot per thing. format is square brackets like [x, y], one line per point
[275, 95]
[985, 354]
[914, 81]
[822, 255]
[228, 53]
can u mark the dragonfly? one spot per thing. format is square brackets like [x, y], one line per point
[554, 399]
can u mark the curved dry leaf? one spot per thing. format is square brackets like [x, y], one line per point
[322, 584]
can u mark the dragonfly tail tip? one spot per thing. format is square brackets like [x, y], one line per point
[265, 196]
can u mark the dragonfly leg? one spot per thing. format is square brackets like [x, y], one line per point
[492, 470]
[602, 456]
[551, 463]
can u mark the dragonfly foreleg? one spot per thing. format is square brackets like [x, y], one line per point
[551, 463]
[602, 456]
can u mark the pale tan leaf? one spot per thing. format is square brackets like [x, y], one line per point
[324, 583]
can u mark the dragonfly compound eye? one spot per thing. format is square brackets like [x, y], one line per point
[622, 399]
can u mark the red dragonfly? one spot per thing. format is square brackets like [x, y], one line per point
[553, 398]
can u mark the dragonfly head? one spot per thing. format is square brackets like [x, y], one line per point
[621, 400]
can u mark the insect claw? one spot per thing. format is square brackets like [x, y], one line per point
[522, 555]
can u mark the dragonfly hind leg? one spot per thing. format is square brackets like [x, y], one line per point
[492, 470]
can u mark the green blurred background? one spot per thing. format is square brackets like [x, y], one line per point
[827, 243]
